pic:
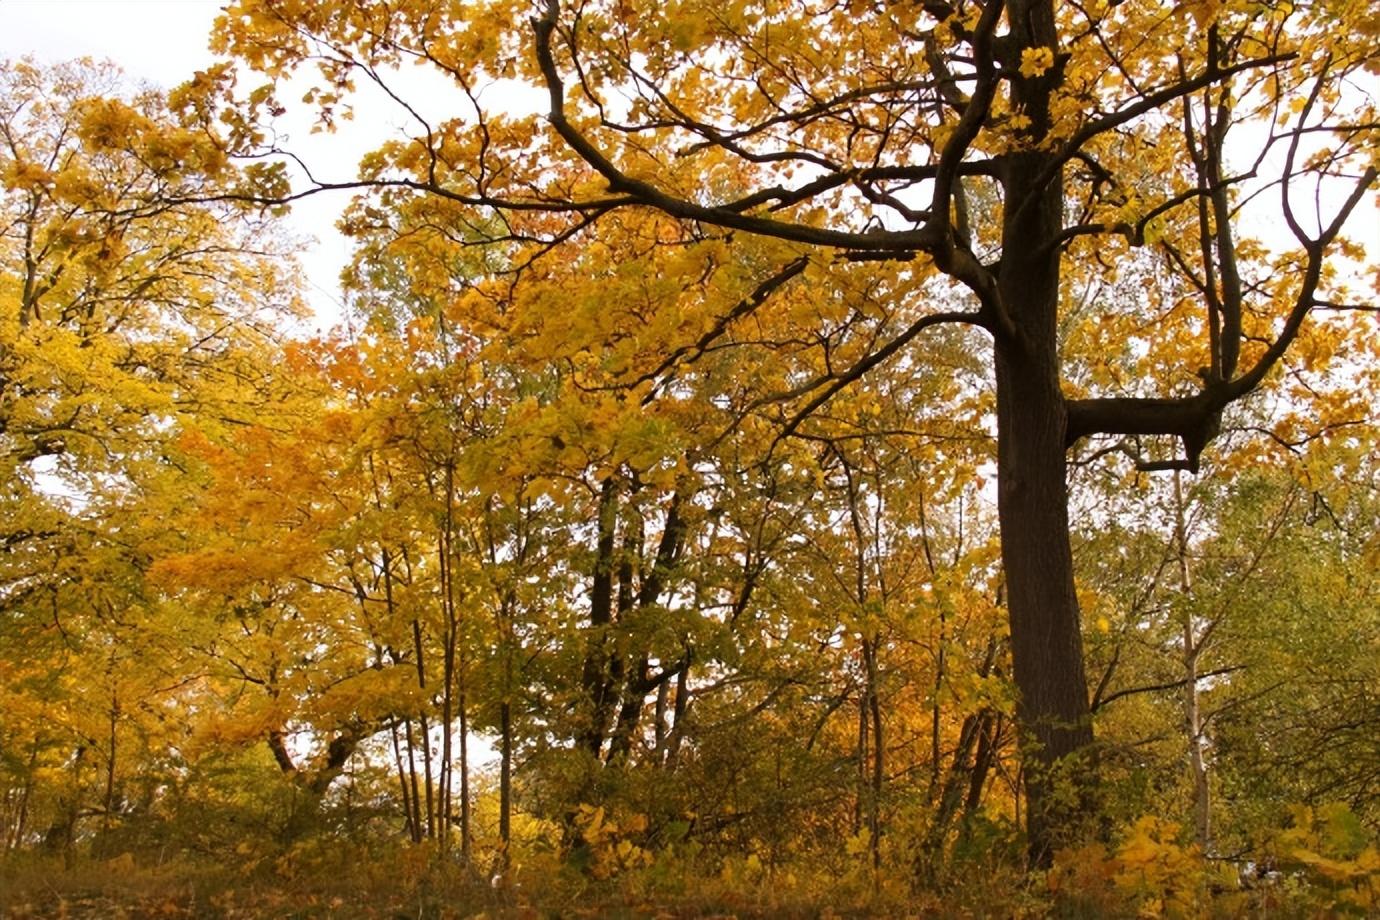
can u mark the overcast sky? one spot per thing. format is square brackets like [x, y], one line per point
[162, 41]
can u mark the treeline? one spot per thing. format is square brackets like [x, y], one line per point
[531, 586]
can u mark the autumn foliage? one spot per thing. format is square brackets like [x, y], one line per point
[889, 459]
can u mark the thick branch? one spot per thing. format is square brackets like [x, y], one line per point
[277, 743]
[1194, 419]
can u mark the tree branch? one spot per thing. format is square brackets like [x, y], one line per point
[1171, 685]
[862, 366]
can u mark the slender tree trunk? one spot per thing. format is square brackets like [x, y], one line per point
[21, 818]
[624, 703]
[1202, 790]
[595, 677]
[418, 649]
[505, 779]
[465, 811]
[445, 782]
[941, 650]
[448, 681]
[424, 726]
[1192, 651]
[625, 726]
[663, 695]
[414, 833]
[504, 618]
[680, 712]
[507, 639]
[109, 798]
[454, 692]
[988, 742]
[874, 710]
[412, 776]
[959, 775]
[936, 710]
[651, 582]
[860, 797]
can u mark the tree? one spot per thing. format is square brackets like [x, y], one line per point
[119, 312]
[120, 316]
[116, 301]
[1001, 154]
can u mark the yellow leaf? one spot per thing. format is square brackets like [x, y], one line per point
[1035, 61]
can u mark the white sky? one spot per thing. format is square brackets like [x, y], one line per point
[162, 41]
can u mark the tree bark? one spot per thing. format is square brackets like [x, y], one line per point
[1046, 644]
[414, 832]
[1192, 652]
[874, 710]
[595, 677]
[1032, 491]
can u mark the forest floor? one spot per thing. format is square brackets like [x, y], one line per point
[287, 905]
[104, 892]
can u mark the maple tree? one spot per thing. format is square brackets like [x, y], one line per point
[994, 158]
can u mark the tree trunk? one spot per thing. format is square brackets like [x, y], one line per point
[108, 803]
[663, 695]
[19, 825]
[1046, 644]
[425, 728]
[679, 712]
[989, 740]
[61, 835]
[595, 677]
[412, 776]
[1032, 497]
[507, 644]
[1192, 651]
[466, 813]
[874, 711]
[860, 796]
[414, 831]
[505, 780]
[449, 639]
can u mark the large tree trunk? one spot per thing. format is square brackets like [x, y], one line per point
[1046, 644]
[1032, 496]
